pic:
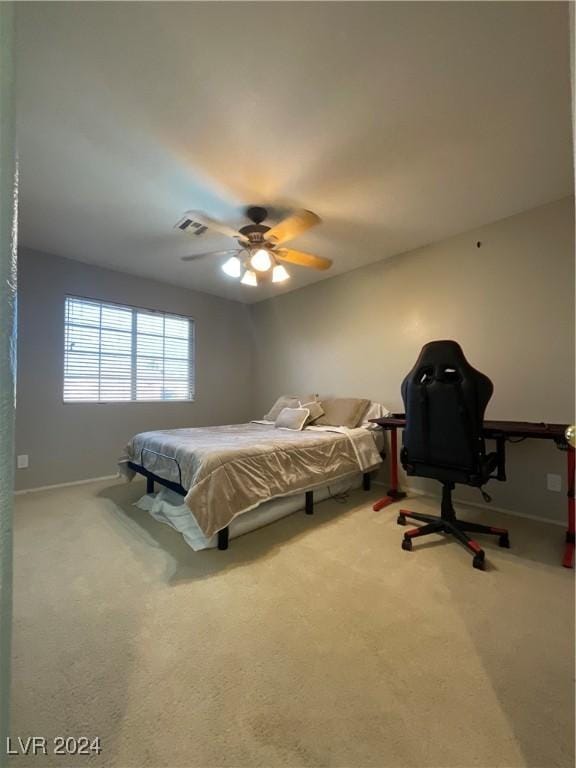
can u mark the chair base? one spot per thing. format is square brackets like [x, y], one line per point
[448, 524]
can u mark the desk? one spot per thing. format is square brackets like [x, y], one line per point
[499, 431]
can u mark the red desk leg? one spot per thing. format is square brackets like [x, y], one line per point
[393, 493]
[568, 561]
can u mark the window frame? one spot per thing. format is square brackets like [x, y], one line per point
[192, 350]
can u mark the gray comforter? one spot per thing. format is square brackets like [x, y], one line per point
[232, 469]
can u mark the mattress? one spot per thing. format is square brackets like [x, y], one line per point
[228, 470]
[168, 507]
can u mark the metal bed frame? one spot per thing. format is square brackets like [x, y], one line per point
[223, 533]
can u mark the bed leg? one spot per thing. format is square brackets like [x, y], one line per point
[309, 504]
[223, 538]
[366, 481]
[149, 485]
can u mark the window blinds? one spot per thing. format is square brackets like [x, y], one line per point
[114, 353]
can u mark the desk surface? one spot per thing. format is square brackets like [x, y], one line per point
[493, 429]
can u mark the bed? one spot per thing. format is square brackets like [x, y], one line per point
[226, 471]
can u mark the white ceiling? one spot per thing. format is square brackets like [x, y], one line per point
[398, 123]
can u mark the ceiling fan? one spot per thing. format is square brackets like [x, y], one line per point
[257, 254]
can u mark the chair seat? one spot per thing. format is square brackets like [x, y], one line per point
[488, 465]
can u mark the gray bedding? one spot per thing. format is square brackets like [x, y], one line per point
[231, 469]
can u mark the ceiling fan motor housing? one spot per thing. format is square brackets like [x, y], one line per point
[254, 233]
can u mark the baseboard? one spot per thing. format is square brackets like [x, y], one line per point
[65, 485]
[408, 489]
[478, 505]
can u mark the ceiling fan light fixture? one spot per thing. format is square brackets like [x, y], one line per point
[249, 278]
[280, 274]
[260, 260]
[232, 267]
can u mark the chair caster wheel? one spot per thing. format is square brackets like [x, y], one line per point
[478, 561]
[504, 541]
[401, 520]
[407, 545]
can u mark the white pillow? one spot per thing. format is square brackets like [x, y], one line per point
[292, 418]
[285, 401]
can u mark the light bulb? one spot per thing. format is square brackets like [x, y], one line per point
[261, 260]
[232, 266]
[279, 274]
[249, 278]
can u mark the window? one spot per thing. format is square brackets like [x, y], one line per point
[114, 353]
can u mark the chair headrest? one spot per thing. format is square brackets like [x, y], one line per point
[438, 354]
[444, 361]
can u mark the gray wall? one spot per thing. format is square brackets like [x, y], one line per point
[8, 216]
[73, 441]
[510, 303]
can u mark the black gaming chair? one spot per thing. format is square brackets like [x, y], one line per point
[445, 399]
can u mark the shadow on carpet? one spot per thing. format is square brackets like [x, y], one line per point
[140, 530]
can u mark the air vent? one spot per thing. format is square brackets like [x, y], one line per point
[191, 226]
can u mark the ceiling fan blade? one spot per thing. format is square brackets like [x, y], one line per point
[190, 218]
[292, 226]
[302, 259]
[198, 256]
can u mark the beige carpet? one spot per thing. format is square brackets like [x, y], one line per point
[312, 642]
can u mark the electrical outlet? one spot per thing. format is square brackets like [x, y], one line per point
[22, 461]
[554, 482]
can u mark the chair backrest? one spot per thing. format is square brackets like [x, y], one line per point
[445, 399]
